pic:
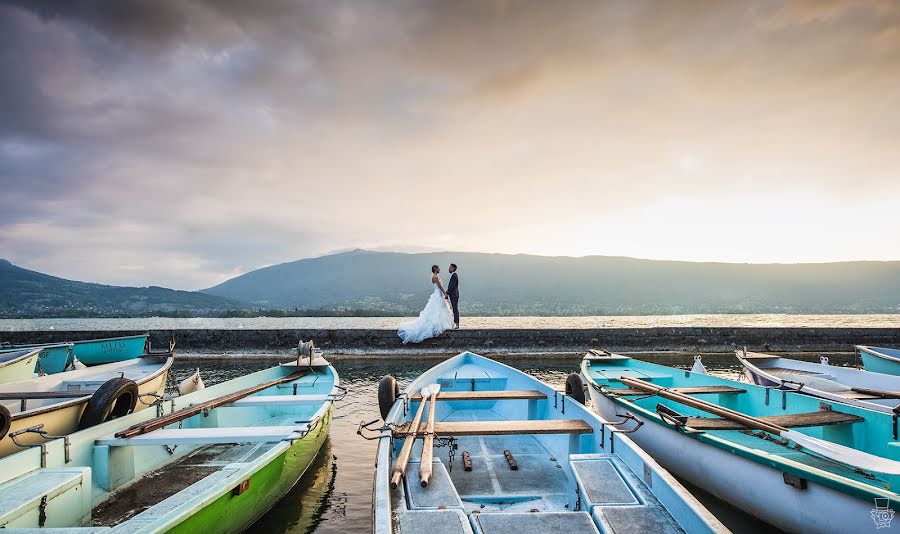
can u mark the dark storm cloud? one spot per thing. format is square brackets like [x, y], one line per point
[225, 135]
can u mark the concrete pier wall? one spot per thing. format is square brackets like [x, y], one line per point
[688, 339]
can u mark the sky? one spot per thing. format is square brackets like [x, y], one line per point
[181, 143]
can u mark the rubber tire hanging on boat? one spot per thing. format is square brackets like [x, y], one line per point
[575, 387]
[117, 397]
[5, 421]
[388, 391]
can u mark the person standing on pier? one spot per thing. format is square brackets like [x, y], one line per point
[453, 294]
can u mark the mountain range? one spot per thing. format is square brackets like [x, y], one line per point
[392, 283]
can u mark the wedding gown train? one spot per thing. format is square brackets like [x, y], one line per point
[432, 321]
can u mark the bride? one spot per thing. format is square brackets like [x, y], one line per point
[434, 319]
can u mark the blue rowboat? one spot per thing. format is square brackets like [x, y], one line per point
[99, 351]
[792, 460]
[210, 461]
[511, 454]
[879, 359]
[875, 391]
[17, 364]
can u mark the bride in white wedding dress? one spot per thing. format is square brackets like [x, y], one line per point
[434, 319]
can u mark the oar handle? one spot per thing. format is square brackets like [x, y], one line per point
[425, 467]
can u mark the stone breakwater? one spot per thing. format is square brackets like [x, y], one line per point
[372, 341]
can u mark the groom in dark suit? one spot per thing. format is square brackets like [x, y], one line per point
[453, 294]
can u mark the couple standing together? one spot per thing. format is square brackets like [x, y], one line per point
[437, 315]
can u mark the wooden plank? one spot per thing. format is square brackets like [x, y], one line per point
[165, 420]
[486, 395]
[822, 418]
[19, 395]
[280, 400]
[503, 428]
[693, 390]
[204, 436]
[878, 393]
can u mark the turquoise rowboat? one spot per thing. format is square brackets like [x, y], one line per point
[529, 459]
[210, 461]
[52, 358]
[18, 364]
[795, 461]
[98, 351]
[879, 359]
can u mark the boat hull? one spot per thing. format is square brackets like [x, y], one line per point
[231, 513]
[19, 369]
[878, 363]
[748, 485]
[62, 419]
[54, 359]
[100, 351]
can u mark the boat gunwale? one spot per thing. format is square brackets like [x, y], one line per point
[75, 401]
[835, 481]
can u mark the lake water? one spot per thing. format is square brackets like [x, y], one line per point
[618, 321]
[335, 495]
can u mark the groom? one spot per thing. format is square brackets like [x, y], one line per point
[453, 294]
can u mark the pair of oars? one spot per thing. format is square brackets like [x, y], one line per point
[428, 392]
[833, 451]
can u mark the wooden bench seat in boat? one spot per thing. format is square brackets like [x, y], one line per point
[432, 521]
[534, 522]
[206, 436]
[688, 390]
[820, 418]
[440, 492]
[279, 400]
[68, 498]
[485, 395]
[501, 428]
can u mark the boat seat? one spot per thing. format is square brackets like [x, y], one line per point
[440, 492]
[68, 494]
[599, 482]
[689, 390]
[206, 436]
[796, 420]
[618, 500]
[635, 520]
[185, 501]
[279, 400]
[433, 521]
[527, 522]
[500, 428]
[486, 395]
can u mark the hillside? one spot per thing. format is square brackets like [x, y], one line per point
[30, 293]
[498, 284]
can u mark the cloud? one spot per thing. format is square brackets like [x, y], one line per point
[199, 139]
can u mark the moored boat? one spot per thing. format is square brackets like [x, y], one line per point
[52, 358]
[792, 460]
[214, 461]
[519, 456]
[62, 403]
[875, 391]
[880, 359]
[18, 364]
[100, 351]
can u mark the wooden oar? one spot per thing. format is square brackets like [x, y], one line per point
[166, 420]
[428, 443]
[403, 457]
[833, 451]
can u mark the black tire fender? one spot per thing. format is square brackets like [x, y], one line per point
[5, 421]
[388, 392]
[117, 397]
[575, 387]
